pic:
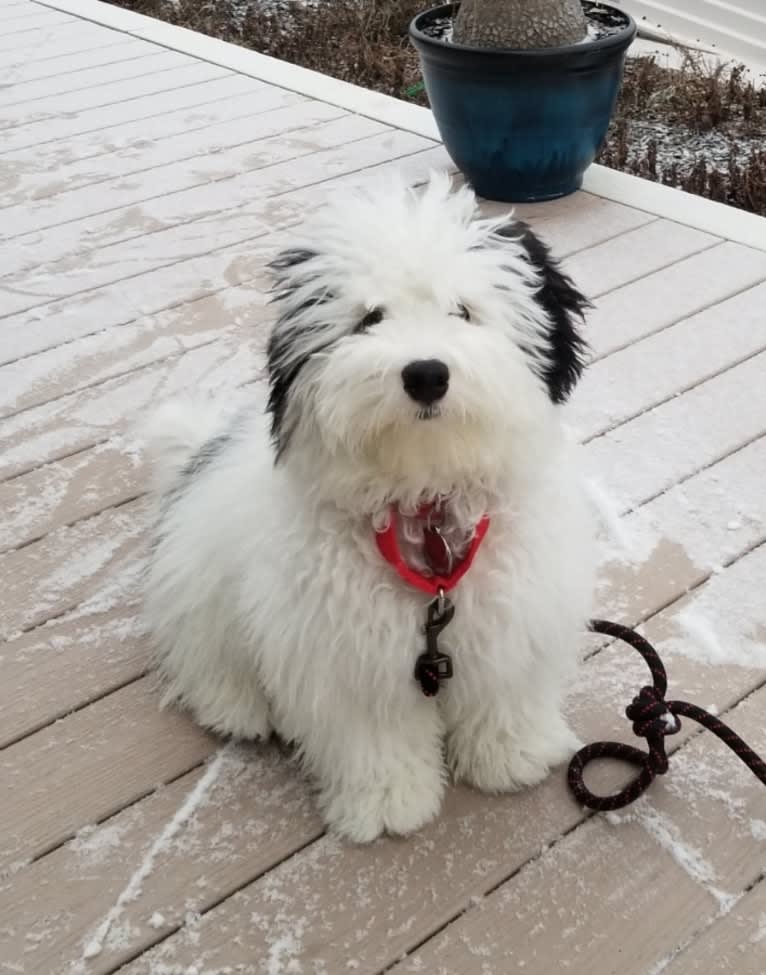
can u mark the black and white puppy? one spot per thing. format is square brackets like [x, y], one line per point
[418, 364]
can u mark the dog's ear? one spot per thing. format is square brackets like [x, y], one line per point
[564, 306]
[288, 260]
[296, 337]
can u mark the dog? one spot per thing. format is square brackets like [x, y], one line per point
[417, 371]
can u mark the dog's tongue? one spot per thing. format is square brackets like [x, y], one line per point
[437, 552]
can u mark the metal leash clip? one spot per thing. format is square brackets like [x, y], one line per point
[433, 667]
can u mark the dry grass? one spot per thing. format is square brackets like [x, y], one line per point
[361, 41]
[697, 99]
[365, 42]
[698, 96]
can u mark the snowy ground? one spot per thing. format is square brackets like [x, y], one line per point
[684, 148]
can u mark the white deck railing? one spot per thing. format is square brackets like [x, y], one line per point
[736, 29]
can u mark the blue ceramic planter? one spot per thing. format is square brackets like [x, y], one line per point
[522, 125]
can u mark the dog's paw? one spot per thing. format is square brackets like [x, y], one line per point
[497, 762]
[398, 803]
[252, 725]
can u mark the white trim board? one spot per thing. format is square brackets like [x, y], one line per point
[685, 208]
[727, 27]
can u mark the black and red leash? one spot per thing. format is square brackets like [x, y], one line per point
[654, 719]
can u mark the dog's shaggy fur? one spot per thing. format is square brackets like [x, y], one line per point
[268, 601]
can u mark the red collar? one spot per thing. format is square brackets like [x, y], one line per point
[388, 545]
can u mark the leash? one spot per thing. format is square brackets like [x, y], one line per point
[654, 719]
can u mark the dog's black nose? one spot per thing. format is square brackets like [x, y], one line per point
[426, 380]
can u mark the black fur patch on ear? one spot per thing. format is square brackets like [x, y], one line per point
[565, 304]
[283, 359]
[290, 258]
[284, 368]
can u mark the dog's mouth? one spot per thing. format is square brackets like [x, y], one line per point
[431, 412]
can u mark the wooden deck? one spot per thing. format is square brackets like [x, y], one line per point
[141, 191]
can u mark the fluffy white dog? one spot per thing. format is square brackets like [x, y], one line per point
[416, 374]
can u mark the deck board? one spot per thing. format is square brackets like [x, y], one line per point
[285, 134]
[166, 73]
[118, 749]
[735, 943]
[142, 191]
[89, 361]
[232, 98]
[687, 433]
[23, 11]
[62, 570]
[46, 35]
[20, 75]
[671, 294]
[76, 84]
[576, 222]
[205, 88]
[549, 903]
[269, 815]
[91, 416]
[146, 154]
[70, 662]
[633, 255]
[669, 362]
[56, 42]
[42, 18]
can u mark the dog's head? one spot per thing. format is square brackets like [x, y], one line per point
[419, 344]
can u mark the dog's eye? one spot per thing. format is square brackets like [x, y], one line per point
[372, 317]
[462, 312]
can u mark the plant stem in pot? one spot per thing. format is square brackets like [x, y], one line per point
[519, 23]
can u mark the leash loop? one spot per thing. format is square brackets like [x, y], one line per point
[653, 719]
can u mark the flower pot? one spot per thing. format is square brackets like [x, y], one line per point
[522, 125]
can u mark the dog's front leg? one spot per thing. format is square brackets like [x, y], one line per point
[505, 730]
[379, 770]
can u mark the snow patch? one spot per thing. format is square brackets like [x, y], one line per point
[689, 859]
[285, 949]
[722, 623]
[134, 887]
[700, 631]
[608, 511]
[94, 844]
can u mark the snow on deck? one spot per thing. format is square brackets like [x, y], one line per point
[142, 190]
